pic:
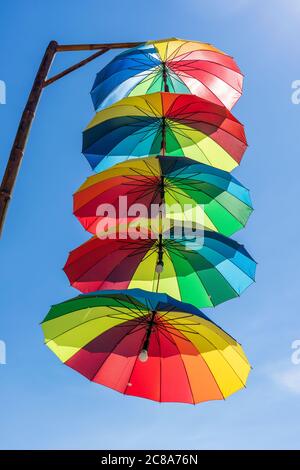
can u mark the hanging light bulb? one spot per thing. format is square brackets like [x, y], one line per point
[159, 267]
[143, 356]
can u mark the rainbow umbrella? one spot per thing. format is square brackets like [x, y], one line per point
[218, 200]
[171, 65]
[146, 345]
[201, 268]
[166, 124]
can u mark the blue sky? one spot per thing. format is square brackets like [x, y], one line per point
[44, 404]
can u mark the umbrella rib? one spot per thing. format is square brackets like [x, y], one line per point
[181, 191]
[136, 305]
[133, 366]
[165, 313]
[205, 86]
[114, 348]
[179, 354]
[141, 73]
[176, 50]
[136, 321]
[163, 331]
[156, 112]
[153, 77]
[149, 253]
[134, 314]
[124, 305]
[148, 183]
[148, 57]
[185, 369]
[172, 327]
[174, 319]
[200, 280]
[138, 186]
[210, 371]
[146, 76]
[140, 173]
[160, 362]
[138, 191]
[190, 176]
[77, 326]
[175, 130]
[174, 77]
[178, 241]
[180, 185]
[186, 71]
[137, 252]
[217, 127]
[236, 250]
[169, 162]
[170, 191]
[132, 178]
[188, 378]
[213, 198]
[215, 110]
[190, 179]
[181, 131]
[221, 274]
[139, 60]
[178, 171]
[137, 130]
[222, 355]
[151, 169]
[145, 137]
[127, 307]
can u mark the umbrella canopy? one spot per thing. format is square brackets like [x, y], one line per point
[173, 65]
[204, 269]
[224, 205]
[167, 124]
[146, 345]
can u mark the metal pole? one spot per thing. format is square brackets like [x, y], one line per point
[74, 67]
[94, 47]
[166, 87]
[19, 144]
[39, 83]
[149, 331]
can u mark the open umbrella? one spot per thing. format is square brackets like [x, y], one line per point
[204, 269]
[167, 124]
[146, 345]
[173, 65]
[224, 205]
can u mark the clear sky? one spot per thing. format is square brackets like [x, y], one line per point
[44, 404]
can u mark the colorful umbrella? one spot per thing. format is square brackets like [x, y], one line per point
[171, 65]
[204, 269]
[167, 124]
[146, 345]
[223, 204]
